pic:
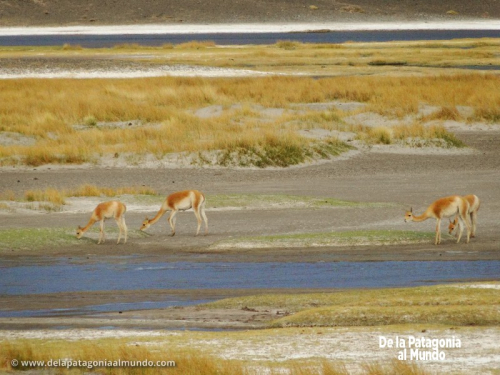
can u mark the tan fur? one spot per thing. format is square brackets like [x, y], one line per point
[474, 204]
[445, 207]
[181, 201]
[103, 211]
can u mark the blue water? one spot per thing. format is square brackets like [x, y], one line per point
[108, 307]
[126, 273]
[69, 277]
[98, 41]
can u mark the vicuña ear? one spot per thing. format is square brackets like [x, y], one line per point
[411, 209]
[79, 227]
[450, 220]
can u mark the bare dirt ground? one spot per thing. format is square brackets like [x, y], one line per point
[66, 12]
[402, 179]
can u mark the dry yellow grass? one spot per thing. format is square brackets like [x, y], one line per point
[182, 361]
[49, 109]
[415, 134]
[52, 199]
[89, 353]
[94, 191]
[49, 195]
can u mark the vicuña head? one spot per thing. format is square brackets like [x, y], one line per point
[409, 215]
[79, 232]
[145, 224]
[452, 225]
[474, 204]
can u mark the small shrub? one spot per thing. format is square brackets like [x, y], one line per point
[7, 195]
[49, 195]
[196, 44]
[451, 140]
[390, 63]
[90, 121]
[490, 114]
[86, 191]
[445, 113]
[70, 47]
[287, 44]
[381, 135]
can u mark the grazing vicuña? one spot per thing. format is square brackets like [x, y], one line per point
[103, 211]
[181, 201]
[445, 207]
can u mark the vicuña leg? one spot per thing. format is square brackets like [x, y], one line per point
[171, 221]
[198, 219]
[463, 218]
[101, 234]
[438, 232]
[204, 218]
[473, 217]
[123, 229]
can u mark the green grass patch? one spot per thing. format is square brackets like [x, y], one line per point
[271, 152]
[282, 201]
[347, 238]
[390, 315]
[35, 238]
[455, 304]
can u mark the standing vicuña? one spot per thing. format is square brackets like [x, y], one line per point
[103, 211]
[181, 201]
[474, 204]
[444, 207]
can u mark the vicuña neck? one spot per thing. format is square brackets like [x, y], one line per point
[158, 216]
[422, 217]
[90, 223]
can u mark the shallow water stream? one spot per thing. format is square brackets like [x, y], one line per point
[133, 274]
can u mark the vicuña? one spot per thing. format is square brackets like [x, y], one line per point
[445, 207]
[181, 201]
[474, 204]
[103, 211]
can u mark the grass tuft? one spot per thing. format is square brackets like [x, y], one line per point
[71, 47]
[196, 45]
[49, 195]
[287, 44]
